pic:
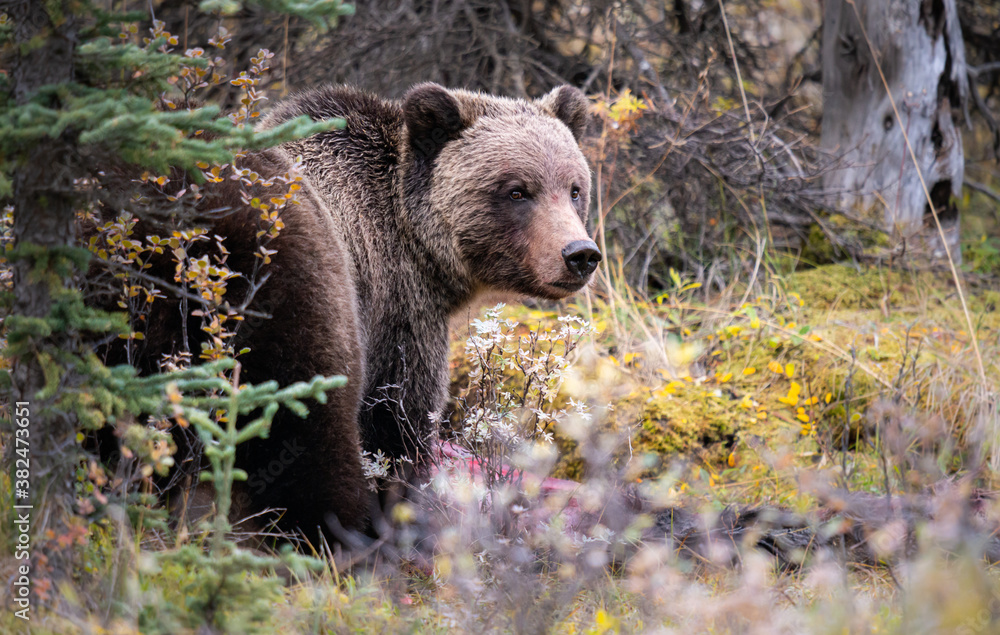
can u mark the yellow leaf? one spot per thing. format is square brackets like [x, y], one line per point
[173, 393]
[731, 461]
[602, 619]
[790, 369]
[792, 399]
[775, 367]
[749, 370]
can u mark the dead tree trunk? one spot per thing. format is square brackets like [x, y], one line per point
[918, 44]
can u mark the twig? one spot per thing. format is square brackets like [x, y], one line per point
[989, 67]
[991, 123]
[284, 62]
[179, 291]
[982, 189]
[646, 68]
[739, 76]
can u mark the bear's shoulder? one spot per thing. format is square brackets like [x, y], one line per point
[371, 123]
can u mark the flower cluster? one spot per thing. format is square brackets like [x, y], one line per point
[514, 385]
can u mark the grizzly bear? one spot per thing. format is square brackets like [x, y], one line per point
[410, 212]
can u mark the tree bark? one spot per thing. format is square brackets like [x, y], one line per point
[43, 201]
[918, 44]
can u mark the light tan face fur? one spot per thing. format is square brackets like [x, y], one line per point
[554, 226]
[506, 188]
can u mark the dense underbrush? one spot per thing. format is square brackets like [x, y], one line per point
[569, 436]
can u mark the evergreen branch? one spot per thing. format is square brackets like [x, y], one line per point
[322, 14]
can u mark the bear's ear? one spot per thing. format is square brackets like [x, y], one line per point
[432, 117]
[569, 105]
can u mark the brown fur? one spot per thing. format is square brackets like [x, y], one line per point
[314, 331]
[417, 185]
[409, 219]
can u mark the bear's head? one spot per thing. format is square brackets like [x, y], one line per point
[500, 189]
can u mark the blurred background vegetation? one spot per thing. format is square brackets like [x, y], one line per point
[682, 186]
[749, 344]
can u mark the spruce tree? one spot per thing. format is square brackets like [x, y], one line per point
[86, 97]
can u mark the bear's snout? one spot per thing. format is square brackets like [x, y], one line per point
[581, 257]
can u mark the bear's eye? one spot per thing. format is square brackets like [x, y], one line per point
[516, 195]
[575, 193]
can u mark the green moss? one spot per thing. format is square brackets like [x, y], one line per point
[817, 249]
[692, 419]
[867, 237]
[844, 286]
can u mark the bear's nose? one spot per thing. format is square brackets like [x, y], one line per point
[581, 257]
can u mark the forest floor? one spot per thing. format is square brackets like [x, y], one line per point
[865, 379]
[751, 400]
